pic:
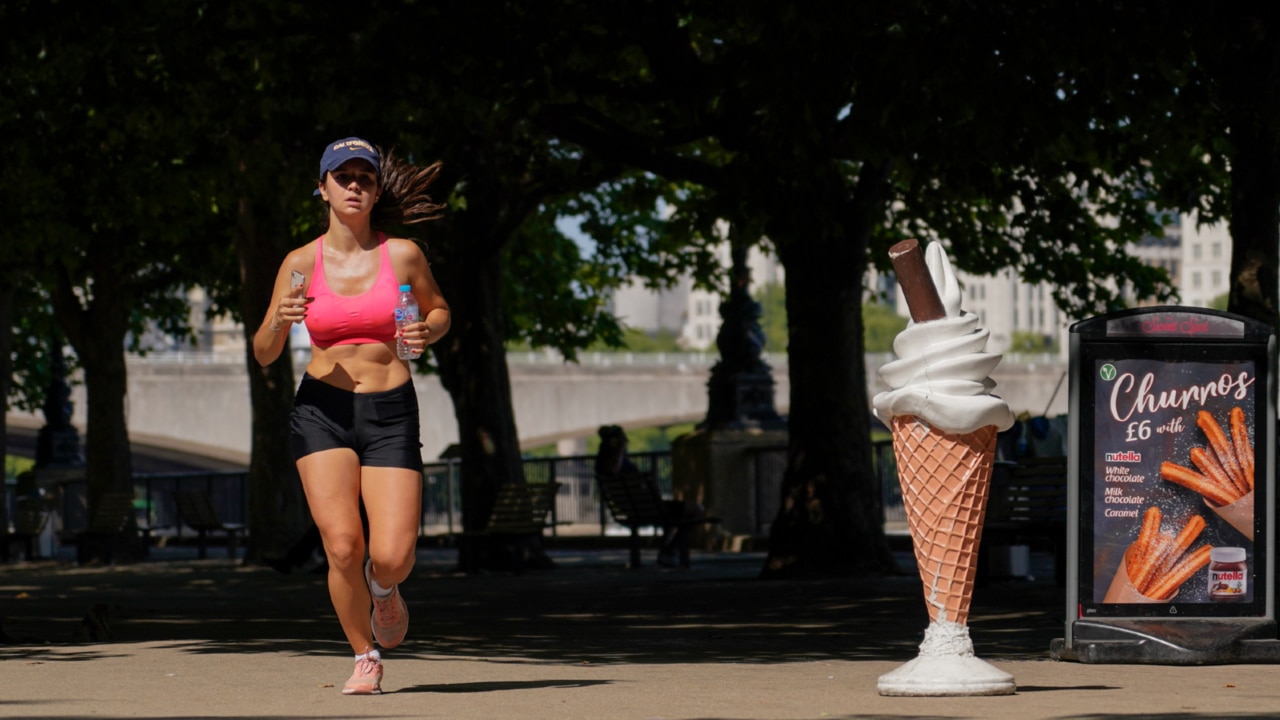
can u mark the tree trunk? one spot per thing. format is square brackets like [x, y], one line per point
[831, 517]
[277, 508]
[97, 334]
[473, 369]
[6, 357]
[109, 464]
[1249, 82]
[1255, 213]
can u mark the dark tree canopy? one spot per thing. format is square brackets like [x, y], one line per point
[171, 144]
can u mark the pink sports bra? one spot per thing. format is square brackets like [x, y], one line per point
[368, 318]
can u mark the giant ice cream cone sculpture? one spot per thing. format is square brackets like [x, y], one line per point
[945, 477]
[944, 421]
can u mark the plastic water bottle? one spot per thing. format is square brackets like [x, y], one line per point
[406, 313]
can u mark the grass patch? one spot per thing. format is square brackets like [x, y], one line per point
[15, 466]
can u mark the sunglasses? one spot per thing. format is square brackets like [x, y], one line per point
[346, 177]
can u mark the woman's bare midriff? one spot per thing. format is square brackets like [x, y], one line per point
[358, 368]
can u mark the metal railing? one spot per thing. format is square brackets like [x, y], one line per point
[153, 499]
[886, 467]
[769, 466]
[578, 508]
[578, 501]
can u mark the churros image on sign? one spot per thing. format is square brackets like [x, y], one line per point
[1224, 470]
[1157, 564]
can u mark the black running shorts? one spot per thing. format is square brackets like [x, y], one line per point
[381, 427]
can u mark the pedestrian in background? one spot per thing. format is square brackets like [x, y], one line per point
[355, 429]
[612, 459]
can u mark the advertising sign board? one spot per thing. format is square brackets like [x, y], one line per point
[1171, 439]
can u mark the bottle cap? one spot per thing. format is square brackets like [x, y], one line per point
[406, 288]
[1227, 554]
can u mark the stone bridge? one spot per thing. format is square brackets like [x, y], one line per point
[199, 404]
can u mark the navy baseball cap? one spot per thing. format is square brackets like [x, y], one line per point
[343, 150]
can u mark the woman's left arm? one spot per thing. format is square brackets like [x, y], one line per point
[411, 264]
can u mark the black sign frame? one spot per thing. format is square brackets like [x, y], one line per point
[1177, 351]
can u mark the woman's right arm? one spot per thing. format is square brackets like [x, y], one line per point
[288, 306]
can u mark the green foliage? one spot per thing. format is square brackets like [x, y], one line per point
[557, 297]
[34, 329]
[635, 236]
[653, 439]
[1220, 302]
[102, 167]
[630, 340]
[641, 341]
[647, 439]
[880, 324]
[773, 315]
[552, 296]
[1024, 341]
[146, 134]
[542, 451]
[980, 140]
[987, 150]
[244, 68]
[15, 466]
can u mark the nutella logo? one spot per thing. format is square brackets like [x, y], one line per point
[1127, 456]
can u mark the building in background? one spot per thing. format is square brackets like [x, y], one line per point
[692, 314]
[1205, 272]
[218, 335]
[1198, 260]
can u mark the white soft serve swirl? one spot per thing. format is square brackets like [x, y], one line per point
[942, 374]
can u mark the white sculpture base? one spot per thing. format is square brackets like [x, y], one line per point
[946, 667]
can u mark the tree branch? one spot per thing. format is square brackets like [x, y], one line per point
[616, 143]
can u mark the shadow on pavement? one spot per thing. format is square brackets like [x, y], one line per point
[589, 610]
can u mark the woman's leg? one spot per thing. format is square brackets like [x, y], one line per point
[393, 502]
[392, 499]
[331, 480]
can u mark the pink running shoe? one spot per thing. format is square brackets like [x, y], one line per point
[366, 679]
[390, 618]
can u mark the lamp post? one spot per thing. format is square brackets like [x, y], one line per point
[740, 391]
[715, 466]
[58, 442]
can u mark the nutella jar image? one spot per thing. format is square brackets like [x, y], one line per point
[1228, 574]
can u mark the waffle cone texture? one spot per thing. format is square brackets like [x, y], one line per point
[945, 480]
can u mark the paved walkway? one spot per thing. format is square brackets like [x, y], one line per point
[183, 638]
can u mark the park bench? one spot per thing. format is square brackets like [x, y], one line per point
[113, 532]
[635, 502]
[520, 512]
[1028, 506]
[30, 515]
[196, 511]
